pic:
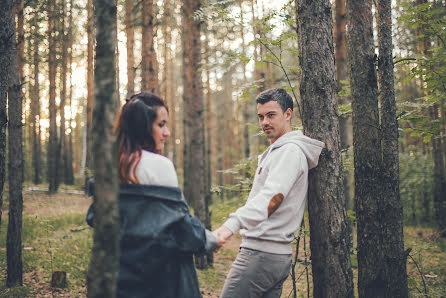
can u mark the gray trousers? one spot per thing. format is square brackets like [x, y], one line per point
[256, 274]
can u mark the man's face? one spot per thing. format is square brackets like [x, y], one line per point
[273, 120]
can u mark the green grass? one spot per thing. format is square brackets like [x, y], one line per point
[57, 243]
[63, 243]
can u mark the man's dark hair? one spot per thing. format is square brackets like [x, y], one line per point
[277, 94]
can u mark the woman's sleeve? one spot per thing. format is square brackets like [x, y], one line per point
[190, 236]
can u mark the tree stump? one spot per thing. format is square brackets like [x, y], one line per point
[59, 279]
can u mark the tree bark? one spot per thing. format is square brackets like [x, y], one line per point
[69, 165]
[15, 167]
[374, 151]
[7, 41]
[329, 233]
[194, 145]
[52, 140]
[35, 106]
[90, 81]
[130, 32]
[149, 67]
[104, 263]
[62, 147]
[392, 211]
[345, 123]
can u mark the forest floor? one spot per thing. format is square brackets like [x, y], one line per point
[56, 238]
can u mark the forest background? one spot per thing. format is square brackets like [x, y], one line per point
[245, 47]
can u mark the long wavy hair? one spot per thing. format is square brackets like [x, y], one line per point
[134, 131]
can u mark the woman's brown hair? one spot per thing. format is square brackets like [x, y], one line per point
[133, 129]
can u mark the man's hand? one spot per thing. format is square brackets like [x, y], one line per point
[222, 234]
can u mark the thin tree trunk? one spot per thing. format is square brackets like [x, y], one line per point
[245, 112]
[35, 107]
[6, 43]
[130, 32]
[15, 167]
[367, 146]
[342, 75]
[330, 236]
[102, 273]
[149, 71]
[62, 147]
[20, 39]
[90, 83]
[194, 146]
[69, 164]
[52, 141]
[395, 276]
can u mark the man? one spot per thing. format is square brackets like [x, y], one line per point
[275, 205]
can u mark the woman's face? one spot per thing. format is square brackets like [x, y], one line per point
[160, 129]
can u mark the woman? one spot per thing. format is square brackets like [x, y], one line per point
[158, 235]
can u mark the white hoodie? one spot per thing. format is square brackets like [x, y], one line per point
[276, 203]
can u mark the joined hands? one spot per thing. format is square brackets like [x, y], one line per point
[222, 234]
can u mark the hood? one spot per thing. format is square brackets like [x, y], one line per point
[310, 147]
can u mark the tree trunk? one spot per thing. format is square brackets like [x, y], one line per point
[6, 43]
[130, 32]
[194, 146]
[35, 107]
[104, 263]
[52, 141]
[62, 147]
[15, 167]
[90, 81]
[395, 276]
[149, 67]
[379, 215]
[342, 76]
[245, 112]
[69, 164]
[329, 233]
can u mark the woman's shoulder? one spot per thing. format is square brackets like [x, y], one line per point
[157, 169]
[155, 158]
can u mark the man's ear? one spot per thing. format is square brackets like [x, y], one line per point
[288, 114]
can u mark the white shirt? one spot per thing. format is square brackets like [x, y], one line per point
[156, 169]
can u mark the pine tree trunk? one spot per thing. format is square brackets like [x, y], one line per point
[15, 166]
[63, 95]
[149, 71]
[69, 164]
[329, 233]
[130, 32]
[245, 112]
[367, 146]
[52, 141]
[35, 107]
[6, 43]
[345, 124]
[90, 82]
[194, 145]
[392, 211]
[104, 263]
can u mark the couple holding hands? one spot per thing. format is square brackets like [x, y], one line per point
[158, 235]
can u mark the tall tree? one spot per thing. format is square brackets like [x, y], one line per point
[392, 222]
[52, 140]
[130, 32]
[102, 273]
[329, 234]
[62, 146]
[149, 65]
[345, 128]
[35, 104]
[194, 146]
[6, 43]
[15, 165]
[381, 259]
[69, 176]
[90, 83]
